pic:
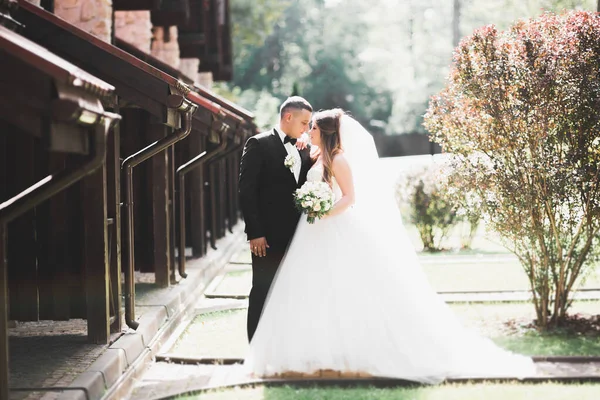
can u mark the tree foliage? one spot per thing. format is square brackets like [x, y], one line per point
[380, 59]
[520, 114]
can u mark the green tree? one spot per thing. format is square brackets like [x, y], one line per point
[314, 45]
[519, 113]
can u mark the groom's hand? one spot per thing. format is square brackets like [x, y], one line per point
[259, 246]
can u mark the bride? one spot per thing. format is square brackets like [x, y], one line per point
[350, 296]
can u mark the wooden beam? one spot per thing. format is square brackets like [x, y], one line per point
[136, 5]
[194, 185]
[59, 259]
[3, 316]
[96, 257]
[134, 80]
[75, 249]
[222, 184]
[21, 245]
[171, 218]
[3, 277]
[113, 170]
[213, 209]
[159, 218]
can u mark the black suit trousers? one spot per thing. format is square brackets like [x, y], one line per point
[263, 273]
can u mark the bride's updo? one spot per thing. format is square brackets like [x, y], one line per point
[328, 122]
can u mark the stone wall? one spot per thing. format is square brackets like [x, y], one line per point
[92, 16]
[135, 28]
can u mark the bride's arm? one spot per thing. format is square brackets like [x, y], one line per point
[343, 176]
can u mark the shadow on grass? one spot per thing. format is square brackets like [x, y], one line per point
[486, 390]
[551, 344]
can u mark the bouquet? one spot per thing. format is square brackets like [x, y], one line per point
[314, 199]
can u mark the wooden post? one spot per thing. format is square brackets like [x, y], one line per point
[113, 169]
[231, 212]
[3, 316]
[54, 261]
[75, 270]
[3, 277]
[158, 188]
[96, 256]
[213, 188]
[224, 181]
[23, 263]
[236, 172]
[171, 218]
[195, 185]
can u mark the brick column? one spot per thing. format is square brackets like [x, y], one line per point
[189, 66]
[135, 28]
[92, 16]
[205, 79]
[165, 46]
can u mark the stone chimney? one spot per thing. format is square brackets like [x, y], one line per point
[92, 16]
[189, 67]
[165, 46]
[205, 79]
[135, 28]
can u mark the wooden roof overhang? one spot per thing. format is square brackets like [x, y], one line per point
[136, 82]
[163, 12]
[231, 113]
[46, 96]
[204, 29]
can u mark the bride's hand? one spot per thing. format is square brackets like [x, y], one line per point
[303, 141]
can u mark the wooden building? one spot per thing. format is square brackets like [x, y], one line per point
[109, 160]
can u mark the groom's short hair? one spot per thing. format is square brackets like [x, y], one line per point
[294, 103]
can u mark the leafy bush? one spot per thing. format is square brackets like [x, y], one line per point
[520, 113]
[432, 201]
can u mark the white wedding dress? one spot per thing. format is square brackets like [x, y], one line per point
[350, 296]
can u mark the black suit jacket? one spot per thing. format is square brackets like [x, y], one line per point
[266, 189]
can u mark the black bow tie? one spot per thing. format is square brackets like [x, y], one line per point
[288, 139]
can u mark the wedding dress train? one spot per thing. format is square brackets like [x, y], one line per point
[350, 296]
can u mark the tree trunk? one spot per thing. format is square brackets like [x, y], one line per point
[456, 22]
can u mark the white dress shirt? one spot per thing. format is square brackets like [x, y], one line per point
[293, 151]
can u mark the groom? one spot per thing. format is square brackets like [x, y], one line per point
[271, 169]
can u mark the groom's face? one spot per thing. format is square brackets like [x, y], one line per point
[296, 122]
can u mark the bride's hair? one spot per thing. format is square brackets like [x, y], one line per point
[328, 122]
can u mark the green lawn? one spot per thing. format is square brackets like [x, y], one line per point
[487, 391]
[467, 276]
[484, 276]
[223, 334]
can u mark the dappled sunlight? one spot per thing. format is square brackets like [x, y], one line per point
[488, 391]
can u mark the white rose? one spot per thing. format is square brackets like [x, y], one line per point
[317, 207]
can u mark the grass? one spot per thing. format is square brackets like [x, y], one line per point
[484, 276]
[551, 344]
[488, 391]
[219, 334]
[444, 277]
[223, 334]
